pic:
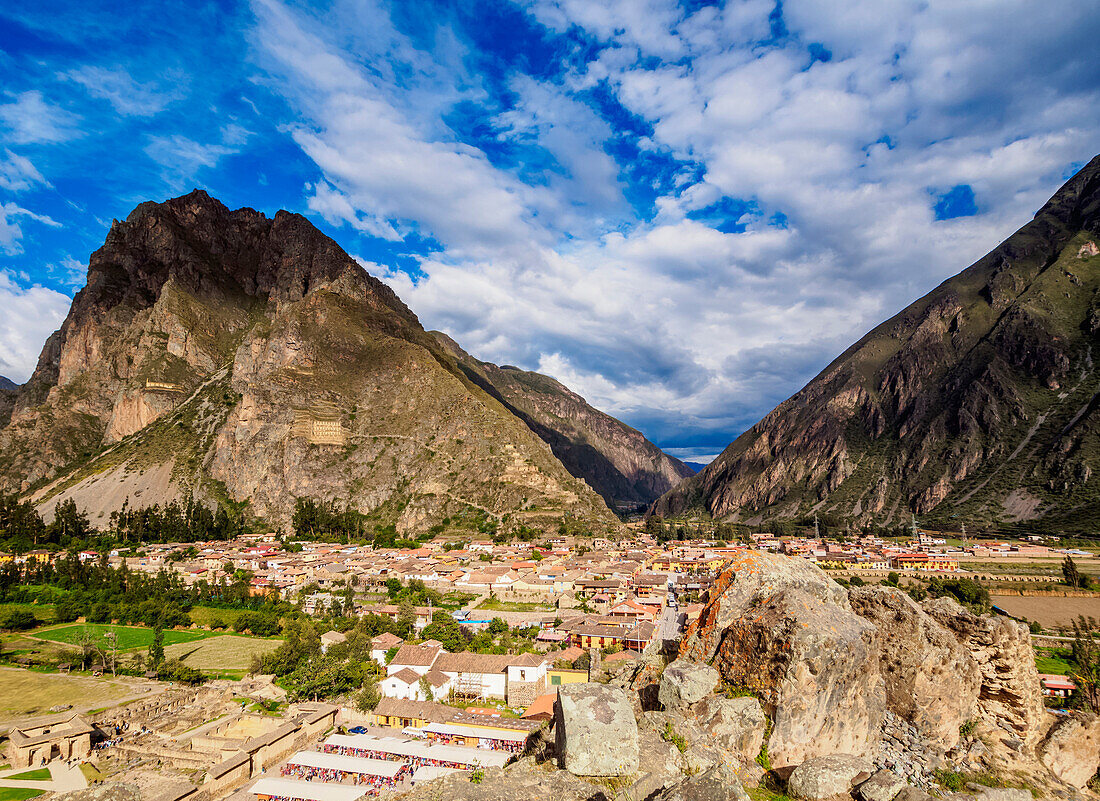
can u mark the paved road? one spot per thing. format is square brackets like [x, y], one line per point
[669, 625]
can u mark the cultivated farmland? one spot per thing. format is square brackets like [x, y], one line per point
[226, 653]
[1050, 611]
[128, 636]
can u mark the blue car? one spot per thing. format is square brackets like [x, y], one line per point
[358, 730]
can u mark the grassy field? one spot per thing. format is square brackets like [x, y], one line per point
[496, 605]
[91, 773]
[36, 775]
[211, 616]
[44, 612]
[1052, 663]
[18, 793]
[128, 636]
[228, 653]
[1049, 611]
[25, 692]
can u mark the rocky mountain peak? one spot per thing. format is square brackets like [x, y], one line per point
[973, 404]
[227, 355]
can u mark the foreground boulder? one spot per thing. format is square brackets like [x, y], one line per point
[595, 733]
[718, 783]
[685, 683]
[931, 679]
[786, 631]
[1072, 751]
[883, 786]
[734, 724]
[1010, 697]
[828, 777]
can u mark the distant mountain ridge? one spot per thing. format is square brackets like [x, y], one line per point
[236, 358]
[978, 403]
[625, 468]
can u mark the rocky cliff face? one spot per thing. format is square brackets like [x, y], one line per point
[625, 468]
[235, 357]
[9, 390]
[977, 403]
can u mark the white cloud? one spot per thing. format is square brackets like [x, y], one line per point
[668, 320]
[18, 174]
[128, 97]
[181, 158]
[11, 231]
[30, 119]
[31, 314]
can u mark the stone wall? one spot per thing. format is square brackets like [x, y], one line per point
[524, 693]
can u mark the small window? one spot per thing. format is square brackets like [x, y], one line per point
[555, 681]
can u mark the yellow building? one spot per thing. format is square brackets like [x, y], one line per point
[556, 677]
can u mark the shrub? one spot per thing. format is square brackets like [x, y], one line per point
[18, 620]
[175, 670]
[670, 736]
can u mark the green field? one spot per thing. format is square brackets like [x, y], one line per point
[495, 605]
[228, 656]
[28, 692]
[18, 793]
[1053, 663]
[128, 636]
[210, 615]
[36, 775]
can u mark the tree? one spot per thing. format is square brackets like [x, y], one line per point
[1086, 655]
[446, 629]
[426, 693]
[406, 617]
[1073, 577]
[322, 677]
[87, 643]
[497, 626]
[156, 648]
[18, 620]
[368, 697]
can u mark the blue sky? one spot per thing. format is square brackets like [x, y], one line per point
[681, 210]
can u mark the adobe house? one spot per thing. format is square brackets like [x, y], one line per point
[64, 736]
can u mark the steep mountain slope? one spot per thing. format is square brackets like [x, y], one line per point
[239, 358]
[625, 468]
[8, 392]
[978, 403]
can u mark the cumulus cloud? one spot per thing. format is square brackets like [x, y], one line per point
[31, 313]
[828, 130]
